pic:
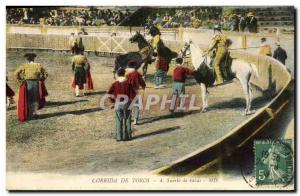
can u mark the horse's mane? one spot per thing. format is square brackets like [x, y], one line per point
[142, 42]
[143, 39]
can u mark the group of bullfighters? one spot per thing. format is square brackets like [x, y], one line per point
[31, 78]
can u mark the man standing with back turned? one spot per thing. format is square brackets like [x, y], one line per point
[136, 80]
[264, 48]
[30, 76]
[280, 54]
[120, 88]
[180, 74]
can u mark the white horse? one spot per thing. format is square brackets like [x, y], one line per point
[241, 69]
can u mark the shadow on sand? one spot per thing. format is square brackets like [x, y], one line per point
[236, 103]
[167, 116]
[96, 93]
[239, 103]
[75, 112]
[160, 131]
[61, 103]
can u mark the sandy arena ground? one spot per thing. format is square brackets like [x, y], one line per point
[73, 136]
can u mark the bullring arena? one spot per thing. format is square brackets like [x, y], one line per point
[74, 136]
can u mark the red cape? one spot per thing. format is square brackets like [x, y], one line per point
[23, 107]
[90, 84]
[23, 103]
[90, 81]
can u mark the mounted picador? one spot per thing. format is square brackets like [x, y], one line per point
[222, 60]
[236, 68]
[164, 57]
[143, 57]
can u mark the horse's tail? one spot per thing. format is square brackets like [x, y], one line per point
[254, 71]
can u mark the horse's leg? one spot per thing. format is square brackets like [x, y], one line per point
[247, 97]
[244, 82]
[204, 97]
[250, 97]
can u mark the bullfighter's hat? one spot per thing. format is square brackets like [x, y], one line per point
[30, 56]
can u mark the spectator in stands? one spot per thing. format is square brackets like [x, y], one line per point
[158, 20]
[127, 13]
[235, 23]
[25, 17]
[251, 23]
[242, 23]
[149, 22]
[280, 54]
[265, 49]
[166, 18]
[62, 17]
[196, 23]
[187, 20]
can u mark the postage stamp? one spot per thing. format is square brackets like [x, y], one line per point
[273, 162]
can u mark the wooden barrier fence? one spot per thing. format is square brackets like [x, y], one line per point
[105, 44]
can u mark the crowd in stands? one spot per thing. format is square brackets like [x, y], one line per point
[184, 17]
[206, 18]
[66, 16]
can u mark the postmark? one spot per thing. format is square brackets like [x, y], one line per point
[247, 166]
